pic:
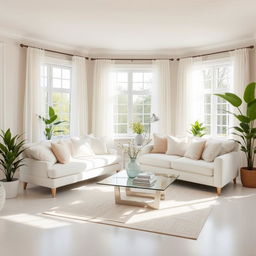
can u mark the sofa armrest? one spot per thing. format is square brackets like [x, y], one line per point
[226, 168]
[34, 167]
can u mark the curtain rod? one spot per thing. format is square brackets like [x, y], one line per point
[64, 53]
[212, 53]
[172, 59]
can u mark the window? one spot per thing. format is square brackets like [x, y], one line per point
[217, 78]
[56, 79]
[133, 99]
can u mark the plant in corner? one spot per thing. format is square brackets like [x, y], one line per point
[197, 129]
[11, 149]
[139, 129]
[246, 130]
[50, 123]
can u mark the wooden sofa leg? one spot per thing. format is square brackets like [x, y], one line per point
[53, 190]
[218, 191]
[25, 185]
[234, 180]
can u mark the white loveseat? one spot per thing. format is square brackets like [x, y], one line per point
[217, 173]
[53, 174]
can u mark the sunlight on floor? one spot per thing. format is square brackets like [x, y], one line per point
[35, 221]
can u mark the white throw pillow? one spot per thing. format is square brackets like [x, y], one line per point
[80, 147]
[212, 150]
[177, 146]
[41, 152]
[98, 144]
[227, 147]
[195, 149]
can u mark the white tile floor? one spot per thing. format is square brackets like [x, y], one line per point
[229, 231]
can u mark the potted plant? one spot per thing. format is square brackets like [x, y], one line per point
[197, 129]
[50, 123]
[11, 149]
[246, 130]
[139, 129]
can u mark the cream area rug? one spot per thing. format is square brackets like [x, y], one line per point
[183, 212]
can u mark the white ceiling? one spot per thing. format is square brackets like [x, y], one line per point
[129, 25]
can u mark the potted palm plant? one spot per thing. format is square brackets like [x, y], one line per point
[11, 149]
[50, 123]
[246, 130]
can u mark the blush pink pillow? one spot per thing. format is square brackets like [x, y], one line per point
[160, 144]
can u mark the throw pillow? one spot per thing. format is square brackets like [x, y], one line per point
[80, 147]
[41, 152]
[160, 144]
[61, 152]
[195, 149]
[98, 144]
[176, 146]
[227, 147]
[212, 150]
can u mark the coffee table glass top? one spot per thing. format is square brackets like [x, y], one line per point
[121, 179]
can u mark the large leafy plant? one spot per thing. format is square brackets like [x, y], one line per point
[51, 123]
[11, 149]
[246, 129]
[197, 129]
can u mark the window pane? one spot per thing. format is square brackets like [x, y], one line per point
[66, 73]
[137, 108]
[223, 77]
[137, 77]
[122, 77]
[148, 77]
[66, 84]
[122, 118]
[122, 86]
[56, 83]
[56, 72]
[122, 109]
[147, 108]
[207, 98]
[138, 87]
[122, 99]
[137, 118]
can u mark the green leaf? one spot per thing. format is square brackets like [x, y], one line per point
[245, 127]
[249, 93]
[251, 110]
[243, 119]
[231, 98]
[51, 111]
[238, 129]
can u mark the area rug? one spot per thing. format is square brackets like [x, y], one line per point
[183, 213]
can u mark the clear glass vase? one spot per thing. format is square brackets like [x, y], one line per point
[132, 168]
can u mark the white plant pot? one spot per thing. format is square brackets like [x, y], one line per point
[139, 139]
[11, 188]
[2, 196]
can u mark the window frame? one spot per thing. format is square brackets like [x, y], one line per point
[147, 68]
[215, 64]
[50, 63]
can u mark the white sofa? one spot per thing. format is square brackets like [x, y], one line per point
[54, 175]
[217, 173]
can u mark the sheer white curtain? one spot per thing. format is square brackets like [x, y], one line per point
[161, 96]
[79, 98]
[103, 99]
[190, 98]
[33, 100]
[241, 71]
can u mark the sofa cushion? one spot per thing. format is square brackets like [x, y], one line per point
[160, 144]
[81, 164]
[159, 160]
[177, 145]
[194, 166]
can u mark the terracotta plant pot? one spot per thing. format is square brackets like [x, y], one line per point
[248, 177]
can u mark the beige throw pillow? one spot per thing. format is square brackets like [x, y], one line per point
[195, 149]
[160, 144]
[41, 152]
[177, 146]
[212, 150]
[98, 144]
[227, 146]
[81, 147]
[61, 152]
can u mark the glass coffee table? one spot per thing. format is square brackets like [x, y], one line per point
[156, 191]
